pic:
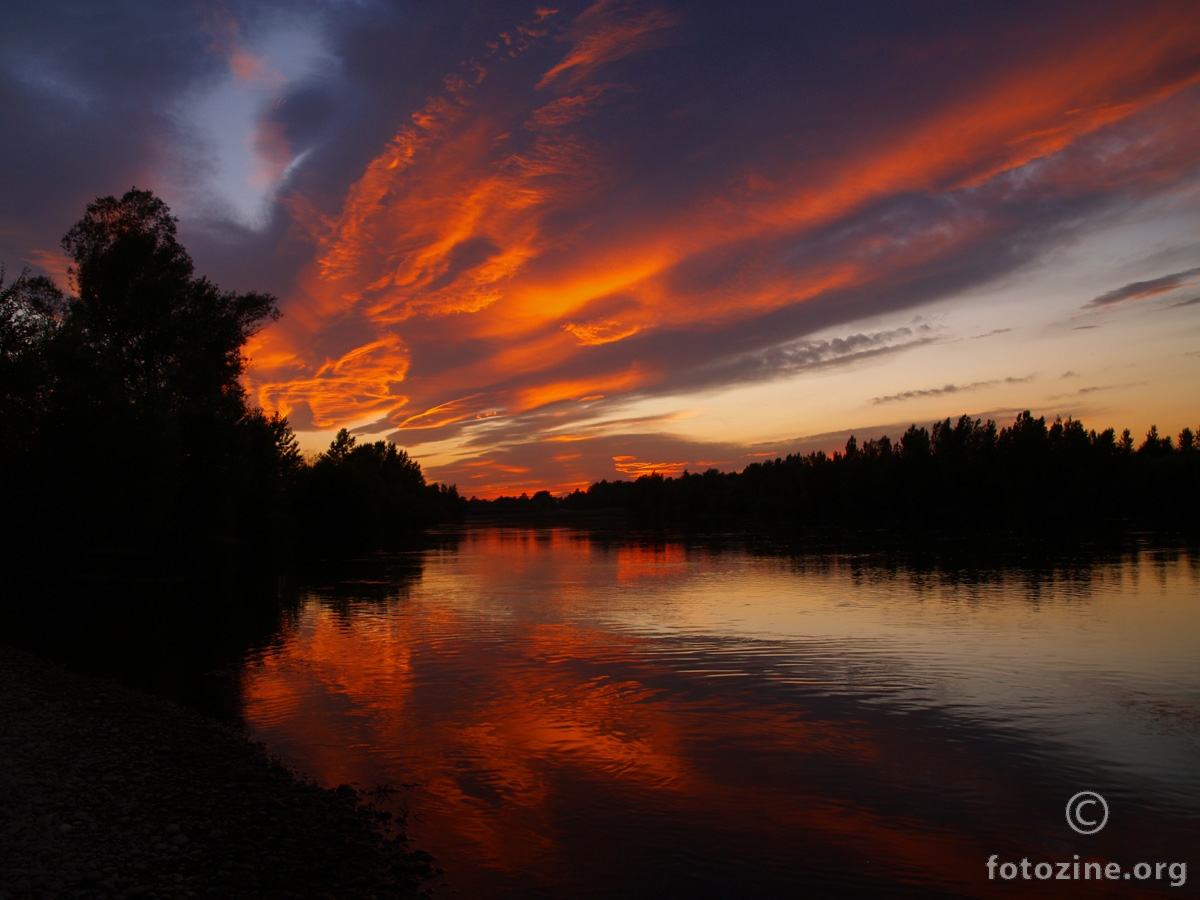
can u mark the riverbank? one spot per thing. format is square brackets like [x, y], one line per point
[109, 792]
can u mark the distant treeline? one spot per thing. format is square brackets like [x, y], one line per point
[967, 474]
[123, 422]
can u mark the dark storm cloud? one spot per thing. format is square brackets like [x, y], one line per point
[91, 95]
[96, 96]
[86, 90]
[306, 115]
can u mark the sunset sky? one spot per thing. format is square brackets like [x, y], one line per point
[538, 246]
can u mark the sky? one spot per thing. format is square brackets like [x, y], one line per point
[542, 245]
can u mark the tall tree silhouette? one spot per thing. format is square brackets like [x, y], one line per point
[133, 422]
[169, 339]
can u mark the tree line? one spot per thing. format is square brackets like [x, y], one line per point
[124, 423]
[964, 474]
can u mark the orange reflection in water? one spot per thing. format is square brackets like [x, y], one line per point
[625, 737]
[520, 723]
[649, 561]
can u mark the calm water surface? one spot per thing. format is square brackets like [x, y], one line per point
[567, 715]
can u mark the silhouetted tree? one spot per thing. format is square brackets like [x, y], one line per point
[371, 495]
[1153, 444]
[127, 406]
[964, 474]
[124, 423]
[915, 443]
[171, 339]
[31, 312]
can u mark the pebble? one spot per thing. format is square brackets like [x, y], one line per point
[100, 787]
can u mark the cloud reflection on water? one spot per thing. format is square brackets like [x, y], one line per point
[573, 706]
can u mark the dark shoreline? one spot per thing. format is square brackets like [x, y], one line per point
[106, 791]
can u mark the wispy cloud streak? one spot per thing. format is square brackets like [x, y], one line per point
[567, 222]
[949, 389]
[1140, 290]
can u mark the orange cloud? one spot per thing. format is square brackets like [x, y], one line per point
[542, 394]
[54, 263]
[446, 413]
[566, 110]
[501, 220]
[634, 468]
[1027, 114]
[605, 36]
[600, 332]
[361, 382]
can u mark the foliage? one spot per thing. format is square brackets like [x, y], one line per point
[31, 311]
[169, 341]
[962, 474]
[371, 495]
[124, 421]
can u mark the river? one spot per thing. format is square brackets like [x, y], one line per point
[561, 714]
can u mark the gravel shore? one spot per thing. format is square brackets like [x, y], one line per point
[108, 792]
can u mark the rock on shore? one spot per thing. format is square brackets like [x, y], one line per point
[108, 792]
